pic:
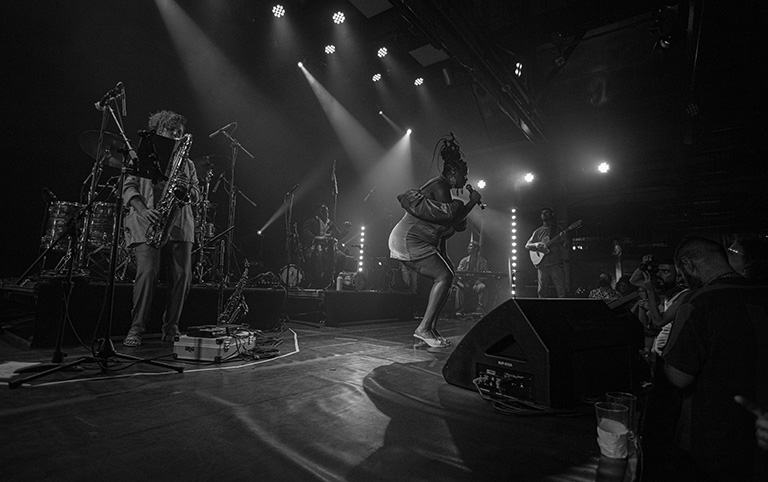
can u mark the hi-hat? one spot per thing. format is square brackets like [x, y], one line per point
[112, 147]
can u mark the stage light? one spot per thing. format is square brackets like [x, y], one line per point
[480, 184]
[408, 132]
[278, 11]
[300, 65]
[338, 18]
[528, 177]
[381, 112]
[418, 81]
[603, 167]
[518, 69]
[382, 52]
[376, 77]
[329, 49]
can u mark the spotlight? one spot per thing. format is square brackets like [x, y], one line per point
[381, 112]
[376, 77]
[278, 11]
[301, 65]
[382, 52]
[528, 177]
[518, 69]
[329, 49]
[338, 18]
[418, 81]
[408, 132]
[480, 184]
[603, 167]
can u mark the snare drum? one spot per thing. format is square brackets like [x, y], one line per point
[59, 214]
[101, 225]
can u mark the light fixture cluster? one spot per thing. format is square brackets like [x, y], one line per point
[339, 18]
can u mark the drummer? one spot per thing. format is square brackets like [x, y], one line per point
[319, 238]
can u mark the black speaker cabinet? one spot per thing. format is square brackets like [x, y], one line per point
[552, 352]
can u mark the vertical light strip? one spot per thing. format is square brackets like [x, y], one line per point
[360, 263]
[513, 253]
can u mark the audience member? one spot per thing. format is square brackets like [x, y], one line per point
[604, 290]
[717, 350]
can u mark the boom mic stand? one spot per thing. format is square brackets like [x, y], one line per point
[107, 348]
[232, 194]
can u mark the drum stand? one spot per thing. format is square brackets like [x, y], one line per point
[107, 348]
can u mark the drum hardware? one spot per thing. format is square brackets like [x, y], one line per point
[106, 350]
[112, 150]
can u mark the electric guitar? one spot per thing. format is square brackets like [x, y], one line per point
[537, 256]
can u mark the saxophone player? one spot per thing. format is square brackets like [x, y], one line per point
[143, 197]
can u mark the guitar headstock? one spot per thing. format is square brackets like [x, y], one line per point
[576, 225]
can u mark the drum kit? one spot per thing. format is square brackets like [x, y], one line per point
[92, 221]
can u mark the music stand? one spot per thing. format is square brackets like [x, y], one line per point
[107, 348]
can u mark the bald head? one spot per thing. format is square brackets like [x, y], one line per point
[701, 260]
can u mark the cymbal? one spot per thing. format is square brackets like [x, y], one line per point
[214, 163]
[111, 149]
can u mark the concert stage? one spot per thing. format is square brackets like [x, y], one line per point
[354, 402]
[267, 306]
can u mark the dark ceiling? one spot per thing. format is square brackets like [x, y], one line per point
[682, 125]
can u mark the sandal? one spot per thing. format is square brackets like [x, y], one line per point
[132, 341]
[430, 342]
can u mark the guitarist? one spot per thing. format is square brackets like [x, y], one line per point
[551, 267]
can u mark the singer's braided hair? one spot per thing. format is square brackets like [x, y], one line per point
[453, 158]
[166, 120]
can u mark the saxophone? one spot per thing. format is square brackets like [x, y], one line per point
[171, 200]
[236, 306]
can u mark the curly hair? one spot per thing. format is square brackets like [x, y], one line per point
[166, 120]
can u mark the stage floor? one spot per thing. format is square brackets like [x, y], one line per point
[353, 403]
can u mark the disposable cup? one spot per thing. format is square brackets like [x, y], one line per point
[612, 431]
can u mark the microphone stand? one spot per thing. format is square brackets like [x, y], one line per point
[232, 201]
[107, 348]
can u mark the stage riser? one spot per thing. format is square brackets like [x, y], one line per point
[336, 308]
[265, 308]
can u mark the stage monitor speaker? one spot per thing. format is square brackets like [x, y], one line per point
[552, 352]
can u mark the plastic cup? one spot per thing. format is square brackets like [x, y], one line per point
[612, 431]
[628, 400]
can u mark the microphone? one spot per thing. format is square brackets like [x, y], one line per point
[50, 197]
[369, 193]
[218, 181]
[112, 94]
[122, 94]
[219, 131]
[481, 204]
[292, 189]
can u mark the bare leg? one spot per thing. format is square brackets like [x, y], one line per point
[437, 269]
